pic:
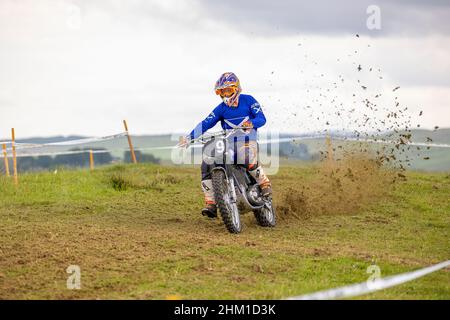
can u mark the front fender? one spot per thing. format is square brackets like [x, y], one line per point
[220, 168]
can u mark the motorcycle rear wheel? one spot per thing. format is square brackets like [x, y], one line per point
[266, 216]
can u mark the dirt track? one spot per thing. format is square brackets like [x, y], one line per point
[150, 241]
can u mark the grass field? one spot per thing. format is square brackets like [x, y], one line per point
[136, 233]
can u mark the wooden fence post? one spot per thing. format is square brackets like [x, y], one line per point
[133, 156]
[91, 159]
[13, 136]
[5, 156]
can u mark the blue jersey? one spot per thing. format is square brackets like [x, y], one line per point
[247, 109]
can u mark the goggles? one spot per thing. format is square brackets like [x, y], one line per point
[226, 92]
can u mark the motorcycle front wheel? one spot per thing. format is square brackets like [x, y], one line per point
[228, 209]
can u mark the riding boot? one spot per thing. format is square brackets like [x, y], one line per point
[210, 209]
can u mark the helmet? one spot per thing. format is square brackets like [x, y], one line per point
[228, 88]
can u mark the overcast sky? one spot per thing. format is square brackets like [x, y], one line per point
[80, 67]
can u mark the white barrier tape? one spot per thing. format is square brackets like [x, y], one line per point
[56, 153]
[38, 154]
[287, 139]
[22, 146]
[291, 139]
[86, 140]
[371, 286]
[157, 148]
[422, 144]
[321, 136]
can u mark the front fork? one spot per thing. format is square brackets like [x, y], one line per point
[230, 183]
[233, 189]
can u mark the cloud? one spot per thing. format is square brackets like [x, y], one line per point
[155, 64]
[268, 17]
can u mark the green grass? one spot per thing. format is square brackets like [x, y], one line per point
[136, 232]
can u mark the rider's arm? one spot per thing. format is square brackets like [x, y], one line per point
[258, 119]
[209, 122]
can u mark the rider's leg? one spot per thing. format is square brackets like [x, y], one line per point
[261, 178]
[210, 208]
[249, 152]
[208, 191]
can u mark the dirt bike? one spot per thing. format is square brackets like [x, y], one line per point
[235, 190]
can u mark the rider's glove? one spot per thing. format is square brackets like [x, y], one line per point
[184, 142]
[248, 124]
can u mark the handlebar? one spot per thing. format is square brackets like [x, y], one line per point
[226, 133]
[206, 137]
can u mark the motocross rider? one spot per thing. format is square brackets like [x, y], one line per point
[236, 110]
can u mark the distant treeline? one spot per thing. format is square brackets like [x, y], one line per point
[74, 160]
[296, 151]
[140, 157]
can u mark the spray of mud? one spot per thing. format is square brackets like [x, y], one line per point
[338, 186]
[351, 174]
